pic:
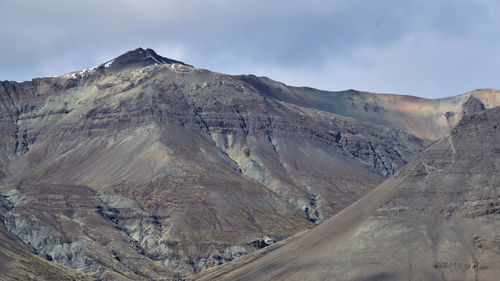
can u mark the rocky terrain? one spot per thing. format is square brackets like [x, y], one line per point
[147, 168]
[18, 263]
[438, 218]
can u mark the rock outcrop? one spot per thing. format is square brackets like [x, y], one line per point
[472, 105]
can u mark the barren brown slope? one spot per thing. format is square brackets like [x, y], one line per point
[424, 118]
[147, 168]
[438, 218]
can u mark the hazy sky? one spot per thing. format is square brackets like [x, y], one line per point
[430, 48]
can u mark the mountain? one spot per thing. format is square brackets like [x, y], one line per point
[147, 168]
[438, 218]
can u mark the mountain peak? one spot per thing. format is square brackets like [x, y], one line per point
[138, 58]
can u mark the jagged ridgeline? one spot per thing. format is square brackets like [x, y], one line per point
[148, 168]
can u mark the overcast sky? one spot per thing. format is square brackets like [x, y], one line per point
[429, 48]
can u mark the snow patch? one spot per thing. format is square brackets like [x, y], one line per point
[109, 63]
[88, 70]
[70, 75]
[73, 75]
[176, 67]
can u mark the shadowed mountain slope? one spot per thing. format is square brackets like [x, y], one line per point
[438, 218]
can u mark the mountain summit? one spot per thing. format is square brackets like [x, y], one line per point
[139, 58]
[129, 61]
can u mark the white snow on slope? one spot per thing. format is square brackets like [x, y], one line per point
[108, 64]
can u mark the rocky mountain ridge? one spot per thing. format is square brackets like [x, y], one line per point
[424, 118]
[435, 219]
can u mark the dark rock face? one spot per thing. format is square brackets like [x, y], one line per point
[138, 58]
[473, 105]
[146, 167]
[436, 219]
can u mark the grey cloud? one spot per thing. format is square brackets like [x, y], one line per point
[427, 48]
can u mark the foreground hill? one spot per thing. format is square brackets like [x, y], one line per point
[148, 168]
[438, 218]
